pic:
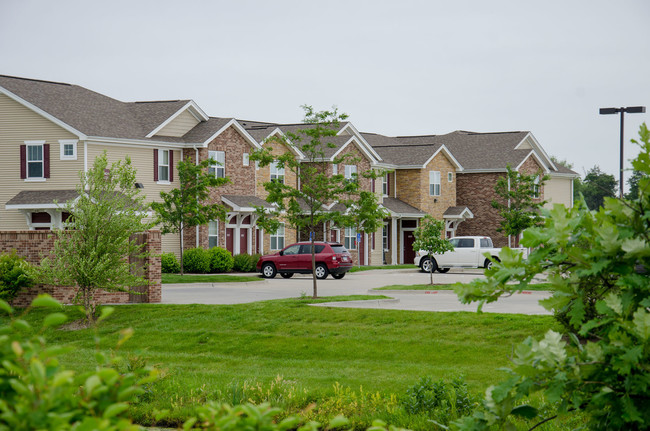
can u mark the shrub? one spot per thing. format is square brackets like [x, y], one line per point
[440, 400]
[245, 263]
[196, 260]
[36, 392]
[169, 263]
[220, 260]
[15, 274]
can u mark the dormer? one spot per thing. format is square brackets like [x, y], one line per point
[181, 122]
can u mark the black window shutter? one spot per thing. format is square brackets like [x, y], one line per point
[23, 161]
[46, 160]
[155, 165]
[171, 165]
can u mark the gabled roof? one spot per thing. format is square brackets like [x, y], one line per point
[41, 199]
[399, 208]
[245, 203]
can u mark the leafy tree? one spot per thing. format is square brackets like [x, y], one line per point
[518, 205]
[366, 214]
[597, 263]
[596, 186]
[633, 182]
[303, 208]
[91, 253]
[428, 237]
[187, 206]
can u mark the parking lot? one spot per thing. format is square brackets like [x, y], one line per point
[357, 283]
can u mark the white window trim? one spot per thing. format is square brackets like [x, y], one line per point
[433, 175]
[215, 235]
[536, 188]
[277, 236]
[63, 143]
[35, 144]
[352, 236]
[161, 164]
[221, 165]
[246, 159]
[384, 185]
[276, 172]
[335, 169]
[350, 171]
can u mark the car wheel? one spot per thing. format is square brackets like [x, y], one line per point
[321, 271]
[488, 263]
[286, 274]
[427, 263]
[268, 270]
[339, 276]
[443, 270]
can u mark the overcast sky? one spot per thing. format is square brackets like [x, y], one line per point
[396, 67]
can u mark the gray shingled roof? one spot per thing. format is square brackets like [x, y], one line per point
[398, 206]
[245, 201]
[411, 150]
[455, 211]
[43, 197]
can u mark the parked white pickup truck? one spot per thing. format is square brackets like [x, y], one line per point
[468, 253]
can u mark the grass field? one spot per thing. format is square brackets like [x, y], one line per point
[295, 354]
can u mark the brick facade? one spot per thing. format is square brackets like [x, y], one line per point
[35, 245]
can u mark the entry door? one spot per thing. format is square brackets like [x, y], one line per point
[243, 241]
[258, 244]
[409, 253]
[361, 246]
[229, 240]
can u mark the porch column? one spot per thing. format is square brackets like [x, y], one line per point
[393, 241]
[237, 234]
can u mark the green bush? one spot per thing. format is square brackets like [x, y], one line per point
[36, 392]
[15, 274]
[245, 262]
[169, 263]
[221, 260]
[196, 261]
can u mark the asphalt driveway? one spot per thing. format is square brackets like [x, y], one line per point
[357, 283]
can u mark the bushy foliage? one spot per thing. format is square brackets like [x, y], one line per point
[598, 264]
[169, 264]
[15, 275]
[245, 262]
[440, 400]
[197, 261]
[36, 392]
[221, 260]
[428, 237]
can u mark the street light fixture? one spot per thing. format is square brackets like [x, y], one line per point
[629, 110]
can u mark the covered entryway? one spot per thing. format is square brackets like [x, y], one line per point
[453, 217]
[404, 219]
[240, 223]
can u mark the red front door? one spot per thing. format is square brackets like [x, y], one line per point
[409, 253]
[229, 240]
[362, 250]
[243, 241]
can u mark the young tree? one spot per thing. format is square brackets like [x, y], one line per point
[92, 252]
[597, 263]
[303, 207]
[518, 206]
[188, 206]
[596, 186]
[428, 237]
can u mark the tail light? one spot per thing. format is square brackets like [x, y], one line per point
[334, 258]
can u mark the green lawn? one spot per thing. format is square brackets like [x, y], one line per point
[540, 286]
[207, 278]
[236, 352]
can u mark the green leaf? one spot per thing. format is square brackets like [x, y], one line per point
[525, 411]
[641, 320]
[46, 301]
[115, 409]
[339, 422]
[21, 325]
[4, 306]
[54, 319]
[106, 311]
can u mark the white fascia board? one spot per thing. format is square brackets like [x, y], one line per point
[466, 214]
[291, 145]
[373, 160]
[538, 148]
[484, 171]
[239, 129]
[33, 207]
[194, 110]
[536, 157]
[237, 209]
[119, 142]
[563, 175]
[361, 139]
[80, 135]
[450, 156]
[404, 215]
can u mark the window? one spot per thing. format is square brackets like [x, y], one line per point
[486, 243]
[434, 183]
[306, 248]
[218, 169]
[246, 159]
[35, 161]
[384, 237]
[384, 185]
[277, 173]
[163, 165]
[68, 149]
[335, 169]
[277, 238]
[213, 234]
[350, 172]
[462, 242]
[536, 188]
[350, 238]
[450, 176]
[291, 250]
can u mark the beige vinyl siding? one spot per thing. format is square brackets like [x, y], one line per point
[17, 125]
[180, 125]
[558, 190]
[171, 244]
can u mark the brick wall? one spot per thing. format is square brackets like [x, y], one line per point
[476, 191]
[34, 245]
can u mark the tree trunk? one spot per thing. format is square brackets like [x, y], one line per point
[180, 240]
[431, 270]
[313, 264]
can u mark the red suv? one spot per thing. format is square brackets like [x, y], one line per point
[331, 258]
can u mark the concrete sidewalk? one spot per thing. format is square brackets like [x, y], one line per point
[357, 283]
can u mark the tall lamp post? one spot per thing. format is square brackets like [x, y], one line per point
[629, 110]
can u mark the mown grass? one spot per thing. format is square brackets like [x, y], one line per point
[207, 278]
[536, 287]
[217, 351]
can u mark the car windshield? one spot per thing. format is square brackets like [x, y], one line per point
[339, 249]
